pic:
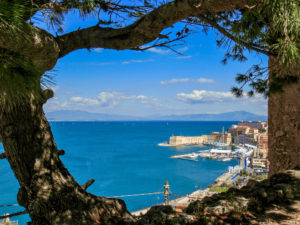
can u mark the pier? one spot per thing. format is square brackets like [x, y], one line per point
[185, 156]
[219, 154]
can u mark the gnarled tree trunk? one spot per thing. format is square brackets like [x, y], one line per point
[284, 126]
[47, 190]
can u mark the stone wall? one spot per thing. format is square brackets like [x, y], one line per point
[284, 129]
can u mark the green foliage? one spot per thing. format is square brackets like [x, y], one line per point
[12, 18]
[259, 177]
[244, 173]
[18, 77]
[271, 27]
[275, 25]
[220, 188]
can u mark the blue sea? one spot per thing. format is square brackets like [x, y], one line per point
[124, 159]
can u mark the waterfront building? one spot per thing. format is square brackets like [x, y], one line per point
[182, 140]
[245, 139]
[260, 158]
[253, 124]
[220, 137]
[247, 132]
[263, 141]
[260, 153]
[235, 130]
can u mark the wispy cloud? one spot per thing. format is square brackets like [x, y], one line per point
[85, 101]
[159, 51]
[102, 63]
[183, 49]
[137, 61]
[187, 80]
[184, 57]
[203, 96]
[109, 99]
[122, 62]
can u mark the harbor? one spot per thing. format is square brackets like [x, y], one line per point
[219, 153]
[246, 142]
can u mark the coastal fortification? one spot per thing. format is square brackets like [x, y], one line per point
[199, 140]
[182, 140]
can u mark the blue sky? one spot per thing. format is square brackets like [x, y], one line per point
[154, 82]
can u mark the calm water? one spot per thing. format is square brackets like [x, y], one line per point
[123, 158]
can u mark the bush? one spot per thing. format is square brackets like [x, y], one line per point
[244, 173]
[221, 188]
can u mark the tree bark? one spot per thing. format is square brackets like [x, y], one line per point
[47, 190]
[284, 126]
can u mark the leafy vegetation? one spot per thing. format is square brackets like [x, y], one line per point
[244, 173]
[259, 177]
[270, 27]
[220, 188]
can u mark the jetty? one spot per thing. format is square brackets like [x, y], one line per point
[219, 154]
[191, 156]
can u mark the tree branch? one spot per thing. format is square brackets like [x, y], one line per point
[37, 46]
[230, 36]
[146, 29]
[3, 155]
[87, 184]
[61, 152]
[13, 214]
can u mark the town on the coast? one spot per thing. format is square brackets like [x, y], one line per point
[246, 141]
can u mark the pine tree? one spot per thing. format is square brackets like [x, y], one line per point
[47, 190]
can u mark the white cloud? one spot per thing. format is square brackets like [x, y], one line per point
[122, 62]
[104, 63]
[183, 49]
[184, 57]
[203, 96]
[85, 101]
[147, 100]
[105, 99]
[109, 99]
[137, 61]
[55, 104]
[186, 80]
[204, 80]
[159, 51]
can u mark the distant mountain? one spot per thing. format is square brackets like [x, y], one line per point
[229, 116]
[76, 115]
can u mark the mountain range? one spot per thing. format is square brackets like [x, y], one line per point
[76, 115]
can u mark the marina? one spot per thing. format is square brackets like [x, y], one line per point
[219, 154]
